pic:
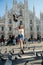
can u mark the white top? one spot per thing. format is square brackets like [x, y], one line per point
[21, 31]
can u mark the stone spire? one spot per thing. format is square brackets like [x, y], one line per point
[14, 2]
[26, 3]
[26, 18]
[6, 21]
[6, 10]
[33, 10]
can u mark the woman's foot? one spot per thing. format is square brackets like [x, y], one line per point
[19, 55]
[22, 51]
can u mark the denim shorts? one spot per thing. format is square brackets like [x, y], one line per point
[20, 36]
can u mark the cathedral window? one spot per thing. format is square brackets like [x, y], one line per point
[31, 28]
[10, 28]
[37, 28]
[30, 21]
[10, 21]
[2, 28]
[20, 12]
[21, 22]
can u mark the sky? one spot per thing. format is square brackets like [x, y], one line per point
[38, 4]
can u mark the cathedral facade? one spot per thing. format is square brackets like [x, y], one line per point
[32, 25]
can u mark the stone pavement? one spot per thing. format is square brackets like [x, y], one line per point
[28, 58]
[27, 47]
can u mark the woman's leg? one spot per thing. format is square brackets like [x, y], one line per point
[21, 46]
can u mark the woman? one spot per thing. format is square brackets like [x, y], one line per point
[21, 37]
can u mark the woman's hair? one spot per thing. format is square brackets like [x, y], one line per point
[20, 26]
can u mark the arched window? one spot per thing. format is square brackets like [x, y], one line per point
[30, 21]
[37, 28]
[21, 23]
[31, 28]
[20, 12]
[2, 28]
[10, 21]
[10, 28]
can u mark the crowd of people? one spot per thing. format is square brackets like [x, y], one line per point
[12, 40]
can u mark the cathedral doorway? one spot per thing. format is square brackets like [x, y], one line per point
[31, 36]
[38, 37]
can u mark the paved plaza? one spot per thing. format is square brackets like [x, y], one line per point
[29, 58]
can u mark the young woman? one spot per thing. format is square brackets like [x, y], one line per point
[21, 37]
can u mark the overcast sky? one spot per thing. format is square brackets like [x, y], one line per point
[37, 3]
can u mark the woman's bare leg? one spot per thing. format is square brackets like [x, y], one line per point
[21, 46]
